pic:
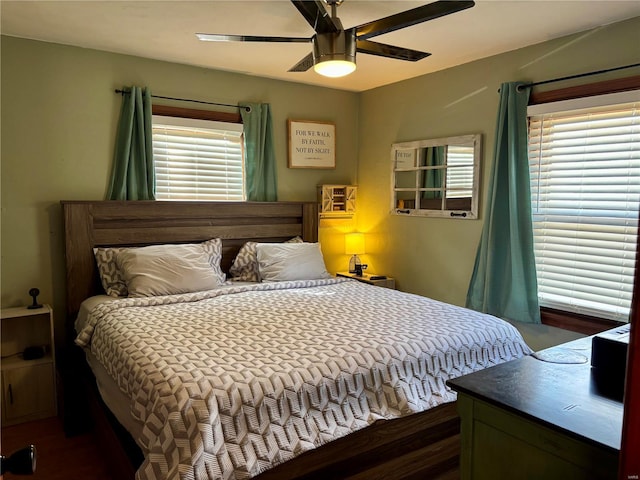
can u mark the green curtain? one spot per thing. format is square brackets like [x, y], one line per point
[260, 158]
[434, 157]
[504, 280]
[133, 175]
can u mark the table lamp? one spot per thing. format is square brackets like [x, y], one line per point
[354, 246]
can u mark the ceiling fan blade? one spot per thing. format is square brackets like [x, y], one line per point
[212, 37]
[316, 15]
[382, 50]
[411, 17]
[303, 65]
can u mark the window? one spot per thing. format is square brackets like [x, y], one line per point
[198, 159]
[584, 158]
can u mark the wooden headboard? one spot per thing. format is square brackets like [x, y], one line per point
[138, 223]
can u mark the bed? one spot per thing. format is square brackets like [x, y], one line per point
[302, 378]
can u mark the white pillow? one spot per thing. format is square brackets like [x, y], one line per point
[166, 270]
[279, 262]
[112, 277]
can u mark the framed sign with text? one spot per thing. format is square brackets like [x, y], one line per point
[405, 159]
[311, 144]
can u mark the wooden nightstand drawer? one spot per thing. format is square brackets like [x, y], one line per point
[28, 393]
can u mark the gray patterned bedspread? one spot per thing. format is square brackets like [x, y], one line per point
[231, 382]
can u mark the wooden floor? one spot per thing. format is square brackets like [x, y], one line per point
[57, 457]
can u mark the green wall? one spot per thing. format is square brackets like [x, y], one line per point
[59, 116]
[435, 256]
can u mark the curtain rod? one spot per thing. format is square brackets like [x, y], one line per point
[579, 75]
[248, 109]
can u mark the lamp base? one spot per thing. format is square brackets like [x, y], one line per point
[22, 462]
[355, 266]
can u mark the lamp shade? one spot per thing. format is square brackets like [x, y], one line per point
[354, 243]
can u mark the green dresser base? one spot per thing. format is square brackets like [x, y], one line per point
[497, 444]
[535, 419]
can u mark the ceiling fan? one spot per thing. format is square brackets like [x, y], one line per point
[334, 48]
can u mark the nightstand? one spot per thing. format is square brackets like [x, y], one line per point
[371, 279]
[28, 364]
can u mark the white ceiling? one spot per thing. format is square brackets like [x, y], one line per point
[165, 30]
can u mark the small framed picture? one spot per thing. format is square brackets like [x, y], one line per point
[311, 144]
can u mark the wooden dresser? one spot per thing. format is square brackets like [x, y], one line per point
[535, 419]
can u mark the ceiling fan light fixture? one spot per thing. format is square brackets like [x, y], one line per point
[335, 68]
[334, 48]
[334, 54]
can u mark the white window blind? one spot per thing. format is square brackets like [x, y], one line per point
[585, 191]
[197, 159]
